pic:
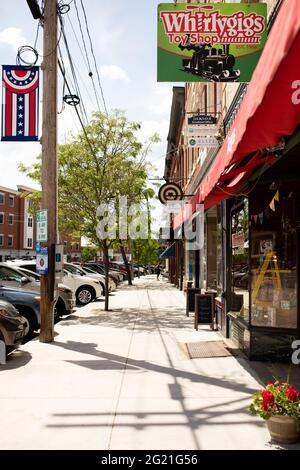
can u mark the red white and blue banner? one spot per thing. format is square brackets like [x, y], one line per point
[20, 103]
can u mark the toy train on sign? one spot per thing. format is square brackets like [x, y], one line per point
[210, 63]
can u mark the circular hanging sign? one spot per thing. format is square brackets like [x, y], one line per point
[169, 192]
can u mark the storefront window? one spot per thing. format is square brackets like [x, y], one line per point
[220, 257]
[240, 264]
[211, 249]
[274, 257]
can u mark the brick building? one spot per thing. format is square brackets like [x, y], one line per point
[17, 227]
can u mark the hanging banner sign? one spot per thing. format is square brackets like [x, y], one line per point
[20, 103]
[197, 131]
[197, 142]
[202, 119]
[200, 42]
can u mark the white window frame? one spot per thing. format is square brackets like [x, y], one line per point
[11, 196]
[2, 203]
[10, 237]
[13, 219]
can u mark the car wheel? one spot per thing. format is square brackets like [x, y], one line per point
[30, 326]
[85, 295]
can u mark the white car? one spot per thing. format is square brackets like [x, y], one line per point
[85, 288]
[78, 270]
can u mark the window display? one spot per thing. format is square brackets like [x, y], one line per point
[273, 261]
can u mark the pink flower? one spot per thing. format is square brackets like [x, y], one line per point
[267, 399]
[292, 394]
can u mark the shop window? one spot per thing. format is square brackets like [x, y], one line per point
[211, 249]
[239, 302]
[274, 256]
[220, 252]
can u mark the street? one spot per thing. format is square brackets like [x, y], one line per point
[122, 380]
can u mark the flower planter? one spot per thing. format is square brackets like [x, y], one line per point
[284, 429]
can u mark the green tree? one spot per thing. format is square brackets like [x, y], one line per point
[103, 162]
[88, 253]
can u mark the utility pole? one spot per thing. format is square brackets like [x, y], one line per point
[49, 165]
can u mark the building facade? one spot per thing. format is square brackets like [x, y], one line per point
[17, 227]
[249, 186]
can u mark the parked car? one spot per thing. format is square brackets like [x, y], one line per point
[28, 305]
[100, 268]
[13, 326]
[17, 276]
[78, 271]
[66, 299]
[84, 288]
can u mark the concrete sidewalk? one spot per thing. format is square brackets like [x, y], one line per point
[121, 380]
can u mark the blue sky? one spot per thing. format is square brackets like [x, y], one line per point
[124, 40]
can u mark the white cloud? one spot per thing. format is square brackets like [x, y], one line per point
[162, 99]
[12, 37]
[114, 72]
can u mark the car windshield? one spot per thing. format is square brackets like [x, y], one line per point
[74, 270]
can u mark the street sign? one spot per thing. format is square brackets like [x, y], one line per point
[197, 131]
[202, 119]
[202, 142]
[42, 226]
[42, 261]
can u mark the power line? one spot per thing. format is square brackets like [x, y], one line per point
[90, 73]
[92, 51]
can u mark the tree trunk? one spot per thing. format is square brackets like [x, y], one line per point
[106, 266]
[125, 262]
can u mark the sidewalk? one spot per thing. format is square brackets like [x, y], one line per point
[121, 380]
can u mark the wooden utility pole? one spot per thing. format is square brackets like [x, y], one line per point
[49, 165]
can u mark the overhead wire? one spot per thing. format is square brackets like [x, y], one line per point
[90, 73]
[93, 54]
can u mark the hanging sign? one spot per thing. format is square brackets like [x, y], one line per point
[170, 192]
[197, 131]
[202, 119]
[200, 42]
[42, 261]
[42, 226]
[197, 142]
[20, 103]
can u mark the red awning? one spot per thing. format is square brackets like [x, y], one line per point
[269, 111]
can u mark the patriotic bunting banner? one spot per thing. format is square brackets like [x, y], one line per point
[20, 103]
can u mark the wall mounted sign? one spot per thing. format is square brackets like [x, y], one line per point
[196, 142]
[202, 119]
[197, 131]
[20, 103]
[200, 42]
[170, 192]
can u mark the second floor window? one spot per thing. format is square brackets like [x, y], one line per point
[10, 240]
[11, 219]
[1, 218]
[1, 240]
[2, 198]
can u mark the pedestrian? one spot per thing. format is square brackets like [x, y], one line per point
[158, 271]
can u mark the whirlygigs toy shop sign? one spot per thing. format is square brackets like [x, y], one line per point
[200, 42]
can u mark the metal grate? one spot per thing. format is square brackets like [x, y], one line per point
[208, 349]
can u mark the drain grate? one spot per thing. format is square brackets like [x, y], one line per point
[204, 349]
